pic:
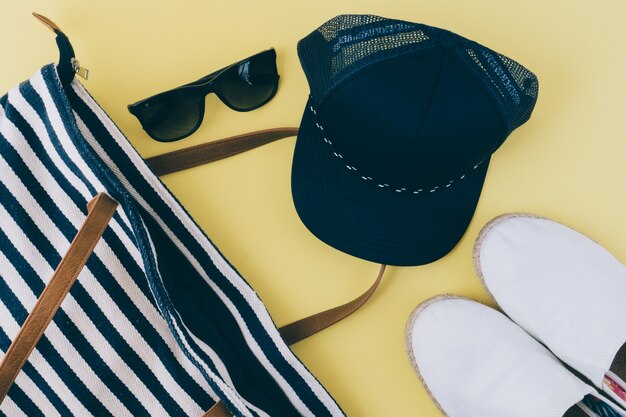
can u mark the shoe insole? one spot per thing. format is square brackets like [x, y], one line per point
[576, 411]
[618, 367]
[592, 406]
[614, 380]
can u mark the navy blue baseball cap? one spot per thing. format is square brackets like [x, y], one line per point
[397, 134]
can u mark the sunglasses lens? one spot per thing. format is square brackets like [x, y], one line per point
[249, 84]
[172, 116]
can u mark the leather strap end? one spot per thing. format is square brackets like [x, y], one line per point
[218, 410]
[103, 200]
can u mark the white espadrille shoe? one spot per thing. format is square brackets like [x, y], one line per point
[475, 362]
[564, 289]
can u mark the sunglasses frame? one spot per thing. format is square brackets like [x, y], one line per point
[202, 88]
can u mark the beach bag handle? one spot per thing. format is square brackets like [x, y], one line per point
[100, 211]
[193, 156]
[197, 155]
[213, 151]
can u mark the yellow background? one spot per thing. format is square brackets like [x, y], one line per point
[566, 163]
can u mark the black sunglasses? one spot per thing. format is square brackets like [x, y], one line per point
[242, 86]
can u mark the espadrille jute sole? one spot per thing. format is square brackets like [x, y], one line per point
[409, 336]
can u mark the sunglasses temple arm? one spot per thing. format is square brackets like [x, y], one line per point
[193, 156]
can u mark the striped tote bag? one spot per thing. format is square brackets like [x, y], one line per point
[113, 302]
[158, 322]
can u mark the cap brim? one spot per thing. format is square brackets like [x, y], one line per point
[371, 223]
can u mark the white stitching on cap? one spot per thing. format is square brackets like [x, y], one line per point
[367, 178]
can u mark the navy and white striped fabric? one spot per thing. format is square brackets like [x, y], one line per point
[158, 323]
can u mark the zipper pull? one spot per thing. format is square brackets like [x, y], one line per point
[82, 71]
[68, 64]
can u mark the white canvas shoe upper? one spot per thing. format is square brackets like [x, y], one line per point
[560, 286]
[475, 362]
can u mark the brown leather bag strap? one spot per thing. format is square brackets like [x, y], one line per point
[213, 151]
[204, 153]
[308, 326]
[101, 210]
[218, 410]
[298, 330]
